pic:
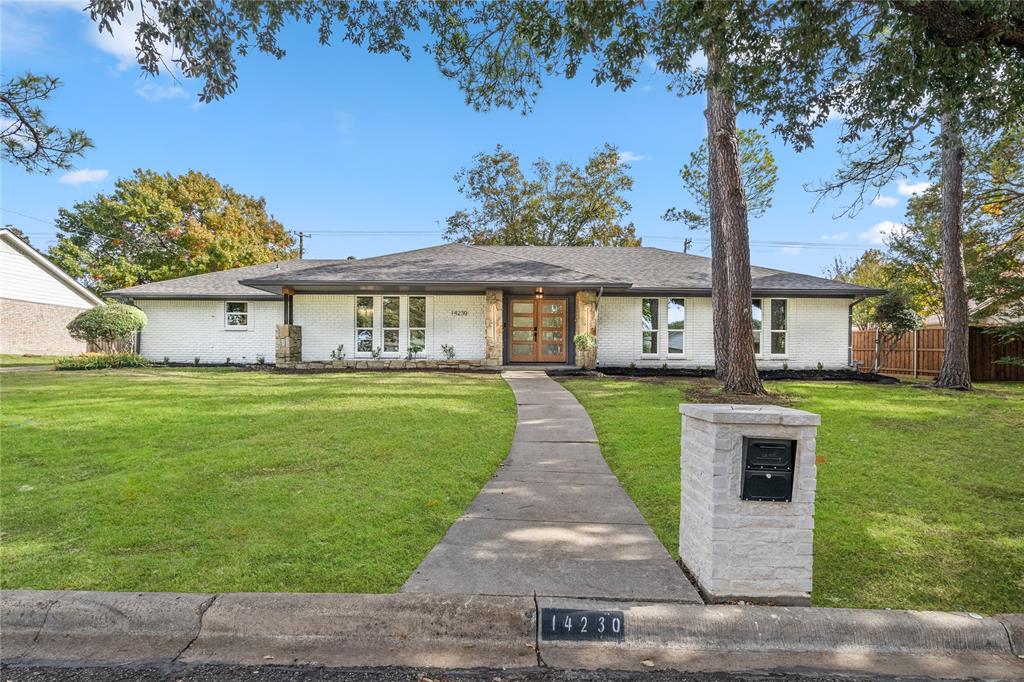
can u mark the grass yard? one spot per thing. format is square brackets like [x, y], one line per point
[26, 360]
[920, 500]
[225, 480]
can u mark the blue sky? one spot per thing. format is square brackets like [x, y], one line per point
[340, 140]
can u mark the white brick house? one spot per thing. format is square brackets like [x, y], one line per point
[488, 305]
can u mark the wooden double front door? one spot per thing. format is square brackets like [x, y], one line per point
[537, 330]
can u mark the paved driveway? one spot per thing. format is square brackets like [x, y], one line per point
[554, 520]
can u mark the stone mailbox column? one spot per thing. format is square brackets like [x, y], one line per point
[740, 549]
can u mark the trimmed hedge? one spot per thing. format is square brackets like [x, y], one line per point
[100, 361]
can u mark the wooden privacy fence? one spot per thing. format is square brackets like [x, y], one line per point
[920, 353]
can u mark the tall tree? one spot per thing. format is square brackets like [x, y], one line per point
[160, 226]
[27, 139]
[759, 177]
[904, 75]
[560, 205]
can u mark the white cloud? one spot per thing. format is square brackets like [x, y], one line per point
[155, 92]
[630, 157]
[835, 237]
[885, 201]
[880, 233]
[907, 189]
[85, 175]
[793, 250]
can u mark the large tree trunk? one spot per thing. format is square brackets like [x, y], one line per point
[719, 271]
[955, 371]
[728, 201]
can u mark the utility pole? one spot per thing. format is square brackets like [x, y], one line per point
[302, 236]
[687, 243]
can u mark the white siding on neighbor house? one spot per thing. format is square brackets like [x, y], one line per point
[23, 279]
[328, 320]
[182, 330]
[817, 332]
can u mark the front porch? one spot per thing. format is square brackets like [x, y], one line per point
[501, 327]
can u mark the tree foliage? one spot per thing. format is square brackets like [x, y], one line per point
[160, 226]
[894, 316]
[107, 324]
[26, 138]
[558, 205]
[759, 177]
[871, 269]
[993, 241]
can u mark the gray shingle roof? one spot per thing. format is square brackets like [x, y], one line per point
[614, 268]
[223, 284]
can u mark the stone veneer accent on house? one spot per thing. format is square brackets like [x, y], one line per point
[494, 326]
[739, 549]
[288, 344]
[586, 323]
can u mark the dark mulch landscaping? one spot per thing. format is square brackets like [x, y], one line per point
[766, 374]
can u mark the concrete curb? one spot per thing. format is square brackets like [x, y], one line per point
[453, 631]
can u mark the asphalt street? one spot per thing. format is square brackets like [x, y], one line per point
[224, 673]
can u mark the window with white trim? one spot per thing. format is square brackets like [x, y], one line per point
[778, 326]
[364, 324]
[676, 326]
[649, 326]
[418, 322]
[391, 316]
[236, 315]
[757, 319]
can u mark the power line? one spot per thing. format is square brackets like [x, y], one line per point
[26, 215]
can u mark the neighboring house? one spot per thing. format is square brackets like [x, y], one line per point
[494, 305]
[37, 300]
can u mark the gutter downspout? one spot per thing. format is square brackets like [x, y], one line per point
[849, 333]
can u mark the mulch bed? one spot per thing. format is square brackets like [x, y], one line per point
[766, 374]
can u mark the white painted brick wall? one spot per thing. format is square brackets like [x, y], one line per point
[737, 548]
[329, 319]
[184, 330]
[818, 332]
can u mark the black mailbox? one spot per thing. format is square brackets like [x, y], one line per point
[768, 469]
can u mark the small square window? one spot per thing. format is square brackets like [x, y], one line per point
[236, 314]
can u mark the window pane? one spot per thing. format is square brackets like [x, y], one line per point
[417, 311]
[522, 321]
[237, 307]
[522, 335]
[649, 313]
[551, 321]
[778, 314]
[675, 342]
[364, 311]
[390, 340]
[391, 307]
[552, 308]
[522, 349]
[364, 341]
[238, 320]
[418, 337]
[523, 307]
[778, 342]
[755, 312]
[551, 349]
[551, 336]
[676, 314]
[650, 342]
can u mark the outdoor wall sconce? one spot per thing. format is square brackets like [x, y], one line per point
[539, 292]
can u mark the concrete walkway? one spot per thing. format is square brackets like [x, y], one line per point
[554, 520]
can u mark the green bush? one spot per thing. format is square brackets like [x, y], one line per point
[107, 324]
[100, 361]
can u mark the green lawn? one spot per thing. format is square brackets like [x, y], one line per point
[24, 360]
[225, 480]
[920, 499]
